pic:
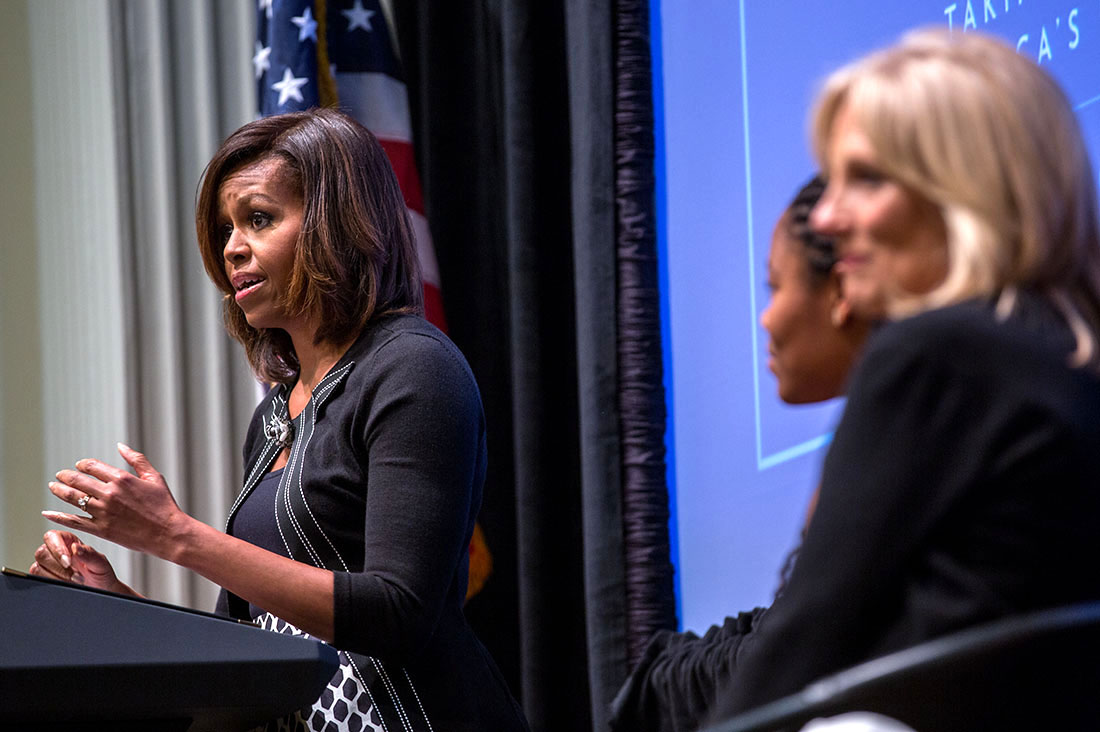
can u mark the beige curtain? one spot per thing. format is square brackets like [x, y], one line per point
[129, 98]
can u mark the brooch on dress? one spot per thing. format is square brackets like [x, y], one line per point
[279, 429]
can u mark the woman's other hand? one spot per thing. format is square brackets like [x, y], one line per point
[63, 556]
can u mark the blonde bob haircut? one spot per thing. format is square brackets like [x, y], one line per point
[989, 138]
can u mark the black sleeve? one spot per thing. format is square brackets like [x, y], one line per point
[673, 686]
[908, 445]
[424, 442]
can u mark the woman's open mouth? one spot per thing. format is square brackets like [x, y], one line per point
[246, 287]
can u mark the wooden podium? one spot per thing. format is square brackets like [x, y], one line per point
[79, 659]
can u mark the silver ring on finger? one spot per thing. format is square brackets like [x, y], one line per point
[83, 502]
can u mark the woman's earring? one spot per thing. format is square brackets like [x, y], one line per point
[838, 316]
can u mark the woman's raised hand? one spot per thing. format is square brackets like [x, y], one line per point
[135, 510]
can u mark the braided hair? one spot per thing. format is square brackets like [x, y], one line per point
[818, 251]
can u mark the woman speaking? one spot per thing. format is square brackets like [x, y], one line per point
[365, 462]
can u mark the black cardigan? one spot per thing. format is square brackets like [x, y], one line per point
[382, 487]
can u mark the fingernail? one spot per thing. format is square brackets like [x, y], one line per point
[65, 562]
[78, 577]
[122, 446]
[57, 475]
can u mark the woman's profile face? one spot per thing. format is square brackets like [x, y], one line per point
[260, 213]
[892, 242]
[809, 354]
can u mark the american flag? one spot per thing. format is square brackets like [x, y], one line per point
[339, 53]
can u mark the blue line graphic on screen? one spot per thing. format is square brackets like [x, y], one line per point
[752, 242]
[784, 452]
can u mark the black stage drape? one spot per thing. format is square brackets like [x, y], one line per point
[514, 110]
[650, 601]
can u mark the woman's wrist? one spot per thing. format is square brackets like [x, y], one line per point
[181, 540]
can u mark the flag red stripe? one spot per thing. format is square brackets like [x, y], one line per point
[433, 306]
[404, 165]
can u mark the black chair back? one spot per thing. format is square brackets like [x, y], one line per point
[1032, 672]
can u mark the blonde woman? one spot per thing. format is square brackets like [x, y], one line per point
[963, 482]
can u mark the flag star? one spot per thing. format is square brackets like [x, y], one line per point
[358, 17]
[262, 59]
[265, 5]
[290, 87]
[307, 26]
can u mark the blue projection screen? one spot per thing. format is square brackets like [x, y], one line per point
[734, 82]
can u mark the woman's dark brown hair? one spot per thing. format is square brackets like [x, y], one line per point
[356, 255]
